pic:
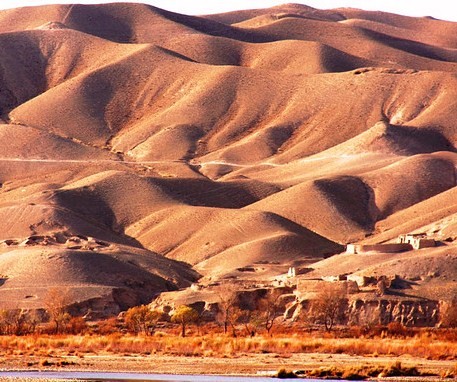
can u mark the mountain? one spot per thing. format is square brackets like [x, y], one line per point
[142, 150]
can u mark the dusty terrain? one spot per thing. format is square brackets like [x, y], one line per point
[143, 149]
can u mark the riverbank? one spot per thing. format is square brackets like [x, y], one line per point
[242, 364]
[165, 353]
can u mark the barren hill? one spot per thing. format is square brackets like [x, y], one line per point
[142, 149]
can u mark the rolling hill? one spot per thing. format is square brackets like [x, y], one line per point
[142, 149]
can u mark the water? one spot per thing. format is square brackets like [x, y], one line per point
[131, 377]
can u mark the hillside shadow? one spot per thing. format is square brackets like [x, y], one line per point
[419, 140]
[353, 198]
[213, 28]
[91, 208]
[97, 21]
[413, 47]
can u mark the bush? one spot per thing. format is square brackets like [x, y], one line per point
[283, 374]
[397, 329]
[364, 372]
[108, 326]
[17, 322]
[451, 373]
[397, 370]
[76, 325]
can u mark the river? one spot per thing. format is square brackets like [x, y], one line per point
[130, 377]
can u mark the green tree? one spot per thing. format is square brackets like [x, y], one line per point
[141, 319]
[184, 315]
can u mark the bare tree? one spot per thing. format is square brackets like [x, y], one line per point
[270, 309]
[56, 302]
[329, 305]
[228, 313]
[263, 315]
[251, 320]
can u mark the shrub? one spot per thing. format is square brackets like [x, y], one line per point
[108, 326]
[450, 373]
[17, 322]
[283, 374]
[76, 325]
[397, 370]
[396, 329]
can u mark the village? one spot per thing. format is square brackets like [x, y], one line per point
[371, 298]
[404, 243]
[378, 298]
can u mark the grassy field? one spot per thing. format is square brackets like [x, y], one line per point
[436, 345]
[320, 354]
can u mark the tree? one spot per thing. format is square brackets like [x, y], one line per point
[141, 319]
[228, 313]
[251, 320]
[55, 303]
[262, 315]
[184, 315]
[270, 310]
[329, 305]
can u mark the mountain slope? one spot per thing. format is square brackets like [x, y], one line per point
[148, 149]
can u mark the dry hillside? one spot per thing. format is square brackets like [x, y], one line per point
[142, 149]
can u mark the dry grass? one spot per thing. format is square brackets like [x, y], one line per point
[424, 345]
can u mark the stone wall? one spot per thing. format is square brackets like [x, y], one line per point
[378, 248]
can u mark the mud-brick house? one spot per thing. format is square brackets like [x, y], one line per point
[417, 241]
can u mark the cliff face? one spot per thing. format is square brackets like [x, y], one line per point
[292, 306]
[417, 313]
[406, 312]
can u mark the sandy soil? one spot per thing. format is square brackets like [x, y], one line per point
[244, 364]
